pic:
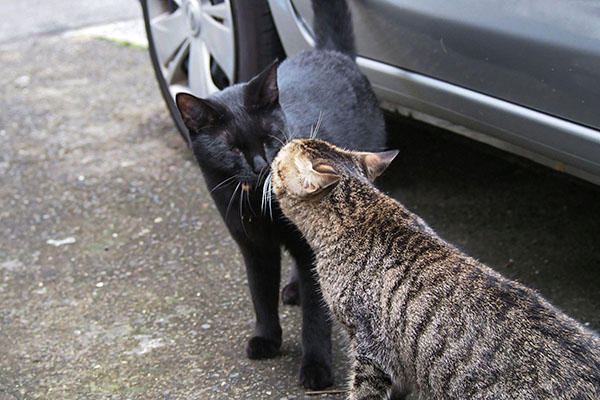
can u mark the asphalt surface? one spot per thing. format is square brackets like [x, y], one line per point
[118, 280]
[24, 19]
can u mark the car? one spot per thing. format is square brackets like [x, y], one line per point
[523, 76]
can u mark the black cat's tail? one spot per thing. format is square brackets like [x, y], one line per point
[333, 26]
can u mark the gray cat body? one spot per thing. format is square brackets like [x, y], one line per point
[421, 315]
[356, 119]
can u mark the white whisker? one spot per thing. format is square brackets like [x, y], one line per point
[226, 181]
[263, 173]
[261, 178]
[239, 185]
[288, 137]
[278, 139]
[249, 203]
[241, 207]
[313, 133]
[270, 193]
[265, 193]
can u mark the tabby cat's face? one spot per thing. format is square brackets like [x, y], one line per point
[304, 168]
[236, 132]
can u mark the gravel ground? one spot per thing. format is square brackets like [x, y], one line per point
[118, 279]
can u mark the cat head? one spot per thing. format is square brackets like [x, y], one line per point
[308, 167]
[234, 132]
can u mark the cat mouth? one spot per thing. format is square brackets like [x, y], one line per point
[246, 187]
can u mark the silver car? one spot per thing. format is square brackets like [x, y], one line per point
[521, 75]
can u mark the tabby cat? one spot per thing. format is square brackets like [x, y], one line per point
[421, 315]
[234, 135]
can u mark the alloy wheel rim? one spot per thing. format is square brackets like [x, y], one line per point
[194, 44]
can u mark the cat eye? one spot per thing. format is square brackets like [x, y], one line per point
[235, 149]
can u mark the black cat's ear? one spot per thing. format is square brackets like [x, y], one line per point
[376, 163]
[262, 91]
[196, 113]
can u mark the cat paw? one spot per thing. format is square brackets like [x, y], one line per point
[259, 347]
[290, 294]
[316, 376]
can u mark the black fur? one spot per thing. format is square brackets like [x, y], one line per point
[236, 133]
[332, 30]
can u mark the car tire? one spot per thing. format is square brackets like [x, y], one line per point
[225, 41]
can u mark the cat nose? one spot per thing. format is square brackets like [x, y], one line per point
[258, 163]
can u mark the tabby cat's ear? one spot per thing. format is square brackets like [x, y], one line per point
[376, 163]
[196, 113]
[314, 178]
[262, 91]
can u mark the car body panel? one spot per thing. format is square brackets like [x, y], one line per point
[523, 76]
[542, 54]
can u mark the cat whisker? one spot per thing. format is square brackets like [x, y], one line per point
[270, 193]
[278, 139]
[266, 196]
[225, 182]
[288, 137]
[249, 203]
[241, 207]
[263, 198]
[239, 185]
[313, 133]
[261, 174]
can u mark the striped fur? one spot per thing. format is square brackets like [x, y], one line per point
[420, 314]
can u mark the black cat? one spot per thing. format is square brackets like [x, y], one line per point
[235, 134]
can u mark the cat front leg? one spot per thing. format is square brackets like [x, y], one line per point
[368, 381]
[261, 250]
[263, 270]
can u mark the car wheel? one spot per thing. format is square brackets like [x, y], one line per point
[202, 46]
